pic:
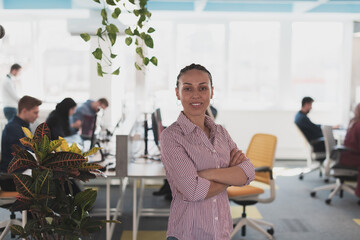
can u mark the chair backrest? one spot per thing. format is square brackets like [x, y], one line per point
[329, 139]
[261, 152]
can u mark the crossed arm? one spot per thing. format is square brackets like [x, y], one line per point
[221, 178]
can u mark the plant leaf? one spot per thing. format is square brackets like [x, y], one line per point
[27, 132]
[98, 1]
[27, 142]
[116, 72]
[104, 15]
[99, 70]
[16, 229]
[75, 149]
[116, 13]
[40, 181]
[85, 36]
[65, 159]
[154, 61]
[137, 67]
[139, 51]
[91, 166]
[111, 2]
[97, 53]
[64, 145]
[23, 184]
[22, 160]
[41, 131]
[16, 148]
[146, 61]
[151, 30]
[112, 37]
[149, 41]
[113, 55]
[128, 41]
[91, 151]
[112, 28]
[85, 199]
[129, 32]
[55, 144]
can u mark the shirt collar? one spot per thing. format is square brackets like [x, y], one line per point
[187, 126]
[21, 122]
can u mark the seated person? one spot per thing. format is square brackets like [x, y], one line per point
[309, 129]
[28, 112]
[58, 120]
[86, 111]
[352, 141]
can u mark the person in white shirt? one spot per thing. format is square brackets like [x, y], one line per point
[9, 95]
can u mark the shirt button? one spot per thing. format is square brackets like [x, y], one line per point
[216, 218]
[214, 151]
[217, 166]
[214, 200]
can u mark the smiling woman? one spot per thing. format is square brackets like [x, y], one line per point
[201, 161]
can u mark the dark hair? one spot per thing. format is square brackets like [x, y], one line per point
[28, 103]
[64, 106]
[306, 100]
[103, 101]
[191, 67]
[15, 67]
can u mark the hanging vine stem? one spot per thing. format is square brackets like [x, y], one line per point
[108, 34]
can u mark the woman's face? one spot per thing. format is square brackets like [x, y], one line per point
[72, 111]
[194, 92]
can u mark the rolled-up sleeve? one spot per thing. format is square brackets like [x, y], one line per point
[180, 169]
[249, 170]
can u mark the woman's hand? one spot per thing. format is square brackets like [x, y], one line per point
[236, 157]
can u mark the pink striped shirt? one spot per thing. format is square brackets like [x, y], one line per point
[185, 150]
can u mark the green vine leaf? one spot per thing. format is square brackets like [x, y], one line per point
[139, 51]
[146, 61]
[151, 30]
[129, 32]
[98, 1]
[154, 61]
[116, 13]
[132, 1]
[113, 55]
[85, 36]
[98, 53]
[104, 15]
[149, 41]
[112, 37]
[137, 67]
[99, 33]
[112, 28]
[128, 41]
[99, 70]
[111, 2]
[116, 72]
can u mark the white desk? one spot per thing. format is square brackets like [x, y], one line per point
[339, 135]
[140, 171]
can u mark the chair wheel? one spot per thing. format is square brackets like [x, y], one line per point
[326, 180]
[328, 201]
[301, 176]
[270, 231]
[313, 194]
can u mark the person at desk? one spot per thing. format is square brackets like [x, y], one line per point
[352, 141]
[9, 95]
[28, 112]
[86, 112]
[308, 128]
[58, 120]
[201, 161]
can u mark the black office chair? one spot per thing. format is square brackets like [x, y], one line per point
[88, 129]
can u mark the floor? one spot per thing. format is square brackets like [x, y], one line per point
[294, 213]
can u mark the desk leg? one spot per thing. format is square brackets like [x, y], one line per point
[134, 209]
[108, 235]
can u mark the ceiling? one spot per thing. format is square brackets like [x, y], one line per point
[247, 6]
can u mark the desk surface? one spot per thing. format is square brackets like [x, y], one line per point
[146, 169]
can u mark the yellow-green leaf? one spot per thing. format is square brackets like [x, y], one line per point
[64, 145]
[116, 72]
[92, 151]
[75, 149]
[85, 36]
[27, 132]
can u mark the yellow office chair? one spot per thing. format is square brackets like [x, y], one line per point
[261, 153]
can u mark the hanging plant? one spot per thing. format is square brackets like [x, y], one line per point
[138, 33]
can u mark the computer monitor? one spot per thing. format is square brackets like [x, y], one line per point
[157, 126]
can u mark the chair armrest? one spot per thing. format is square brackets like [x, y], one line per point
[317, 140]
[5, 176]
[264, 169]
[339, 149]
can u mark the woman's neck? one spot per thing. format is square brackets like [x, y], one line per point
[198, 120]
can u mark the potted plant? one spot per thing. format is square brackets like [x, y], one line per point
[47, 192]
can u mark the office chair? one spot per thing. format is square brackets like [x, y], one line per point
[340, 172]
[6, 200]
[261, 153]
[88, 129]
[313, 156]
